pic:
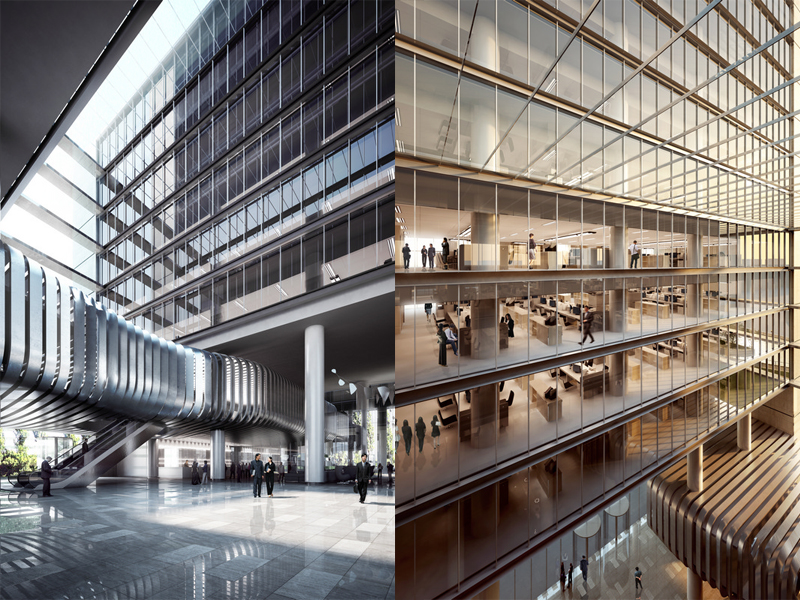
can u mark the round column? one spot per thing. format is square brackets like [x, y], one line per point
[744, 428]
[217, 454]
[315, 403]
[694, 470]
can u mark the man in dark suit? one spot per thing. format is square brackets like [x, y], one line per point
[270, 475]
[588, 318]
[362, 477]
[47, 471]
[258, 475]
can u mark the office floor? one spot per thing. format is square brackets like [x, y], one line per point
[417, 350]
[127, 539]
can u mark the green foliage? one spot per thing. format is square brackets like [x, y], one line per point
[15, 461]
[390, 437]
[76, 439]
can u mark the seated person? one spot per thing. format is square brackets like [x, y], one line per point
[451, 339]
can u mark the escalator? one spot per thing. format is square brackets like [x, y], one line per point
[107, 447]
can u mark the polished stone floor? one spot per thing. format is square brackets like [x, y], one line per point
[129, 539]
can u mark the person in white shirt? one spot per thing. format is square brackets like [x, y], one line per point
[635, 249]
[451, 339]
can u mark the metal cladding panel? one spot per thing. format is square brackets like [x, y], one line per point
[85, 361]
[742, 531]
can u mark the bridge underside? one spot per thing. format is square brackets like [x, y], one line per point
[742, 532]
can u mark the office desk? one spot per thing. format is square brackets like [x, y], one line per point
[591, 379]
[634, 368]
[710, 303]
[550, 409]
[659, 360]
[652, 309]
[547, 334]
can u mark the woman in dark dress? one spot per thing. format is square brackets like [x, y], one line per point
[195, 474]
[408, 436]
[510, 323]
[420, 427]
[442, 339]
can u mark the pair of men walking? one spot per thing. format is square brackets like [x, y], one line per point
[261, 473]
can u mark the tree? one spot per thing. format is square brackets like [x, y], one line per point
[19, 460]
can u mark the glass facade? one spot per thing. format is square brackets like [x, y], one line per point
[593, 202]
[255, 164]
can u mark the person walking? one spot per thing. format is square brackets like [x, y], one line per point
[441, 339]
[451, 339]
[84, 446]
[408, 436]
[205, 472]
[637, 575]
[270, 475]
[531, 250]
[380, 474]
[420, 427]
[563, 577]
[281, 472]
[195, 473]
[424, 256]
[389, 470]
[362, 478]
[510, 323]
[406, 256]
[569, 576]
[428, 307]
[431, 256]
[445, 251]
[435, 433]
[635, 248]
[588, 319]
[258, 475]
[46, 472]
[584, 567]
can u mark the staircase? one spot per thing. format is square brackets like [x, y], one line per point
[107, 447]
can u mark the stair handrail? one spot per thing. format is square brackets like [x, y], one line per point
[71, 452]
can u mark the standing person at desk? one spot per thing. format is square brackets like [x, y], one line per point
[408, 436]
[431, 256]
[445, 251]
[510, 323]
[424, 256]
[452, 339]
[531, 250]
[420, 427]
[441, 338]
[406, 256]
[588, 319]
[635, 248]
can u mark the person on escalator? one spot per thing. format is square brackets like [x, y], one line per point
[47, 471]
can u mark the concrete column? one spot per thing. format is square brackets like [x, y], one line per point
[694, 355]
[694, 585]
[617, 375]
[217, 454]
[483, 405]
[235, 450]
[694, 251]
[618, 249]
[694, 470]
[152, 459]
[617, 310]
[382, 441]
[744, 428]
[483, 241]
[362, 405]
[350, 439]
[315, 403]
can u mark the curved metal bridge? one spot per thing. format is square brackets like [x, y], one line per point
[68, 361]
